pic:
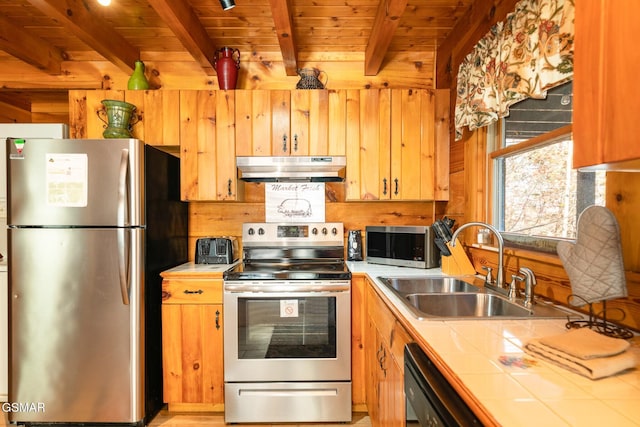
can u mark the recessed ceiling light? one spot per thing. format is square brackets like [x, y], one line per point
[104, 2]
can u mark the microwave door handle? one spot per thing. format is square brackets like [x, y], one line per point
[123, 247]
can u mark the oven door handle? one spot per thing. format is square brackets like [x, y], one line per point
[273, 288]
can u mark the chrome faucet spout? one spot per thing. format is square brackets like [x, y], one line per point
[500, 277]
[529, 283]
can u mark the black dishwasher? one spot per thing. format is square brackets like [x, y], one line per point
[431, 400]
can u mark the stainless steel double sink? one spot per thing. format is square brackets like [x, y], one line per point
[453, 298]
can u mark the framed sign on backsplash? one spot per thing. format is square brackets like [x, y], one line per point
[294, 202]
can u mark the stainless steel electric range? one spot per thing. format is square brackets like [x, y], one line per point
[287, 326]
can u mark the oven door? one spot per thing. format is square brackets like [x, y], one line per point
[284, 331]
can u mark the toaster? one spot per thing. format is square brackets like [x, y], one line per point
[216, 250]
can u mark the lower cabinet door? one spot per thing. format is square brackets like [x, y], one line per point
[193, 356]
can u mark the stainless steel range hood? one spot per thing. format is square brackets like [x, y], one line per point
[291, 168]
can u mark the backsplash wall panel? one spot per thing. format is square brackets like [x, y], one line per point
[226, 219]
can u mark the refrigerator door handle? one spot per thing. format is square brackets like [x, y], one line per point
[124, 245]
[123, 242]
[123, 217]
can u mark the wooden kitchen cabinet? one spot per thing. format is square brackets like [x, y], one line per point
[192, 344]
[263, 122]
[396, 156]
[201, 123]
[309, 122]
[207, 146]
[290, 123]
[156, 120]
[385, 340]
[606, 129]
[158, 115]
[84, 107]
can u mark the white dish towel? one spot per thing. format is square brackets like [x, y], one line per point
[584, 352]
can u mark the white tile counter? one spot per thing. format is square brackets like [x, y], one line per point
[193, 270]
[516, 388]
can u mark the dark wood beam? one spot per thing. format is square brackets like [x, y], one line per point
[184, 23]
[33, 50]
[384, 26]
[76, 16]
[471, 27]
[15, 101]
[283, 22]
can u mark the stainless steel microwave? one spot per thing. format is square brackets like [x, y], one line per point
[404, 246]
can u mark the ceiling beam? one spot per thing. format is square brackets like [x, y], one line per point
[283, 22]
[15, 101]
[384, 26]
[76, 16]
[31, 49]
[470, 28]
[184, 23]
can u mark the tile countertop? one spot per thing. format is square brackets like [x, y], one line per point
[191, 269]
[521, 390]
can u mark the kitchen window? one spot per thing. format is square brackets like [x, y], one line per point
[538, 196]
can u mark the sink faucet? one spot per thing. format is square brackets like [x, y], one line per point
[500, 279]
[529, 283]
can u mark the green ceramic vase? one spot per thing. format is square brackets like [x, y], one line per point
[138, 81]
[119, 115]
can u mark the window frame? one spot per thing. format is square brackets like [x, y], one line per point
[496, 152]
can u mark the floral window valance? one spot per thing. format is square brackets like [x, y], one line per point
[522, 57]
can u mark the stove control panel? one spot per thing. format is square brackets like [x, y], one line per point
[293, 234]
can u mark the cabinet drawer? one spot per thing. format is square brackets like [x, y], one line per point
[192, 291]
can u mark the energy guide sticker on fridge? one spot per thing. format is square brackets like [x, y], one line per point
[67, 179]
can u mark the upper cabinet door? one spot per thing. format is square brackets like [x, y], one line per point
[368, 148]
[280, 114]
[207, 146]
[395, 157]
[412, 144]
[157, 114]
[263, 122]
[290, 123]
[606, 128]
[309, 122]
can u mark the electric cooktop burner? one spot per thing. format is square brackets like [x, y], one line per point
[291, 251]
[289, 271]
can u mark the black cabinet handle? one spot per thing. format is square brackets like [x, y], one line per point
[188, 292]
[217, 319]
[295, 143]
[284, 143]
[396, 181]
[229, 188]
[384, 186]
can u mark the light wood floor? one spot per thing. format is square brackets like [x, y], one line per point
[166, 419]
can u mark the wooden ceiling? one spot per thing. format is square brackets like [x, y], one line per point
[50, 46]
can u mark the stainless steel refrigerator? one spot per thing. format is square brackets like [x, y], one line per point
[91, 224]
